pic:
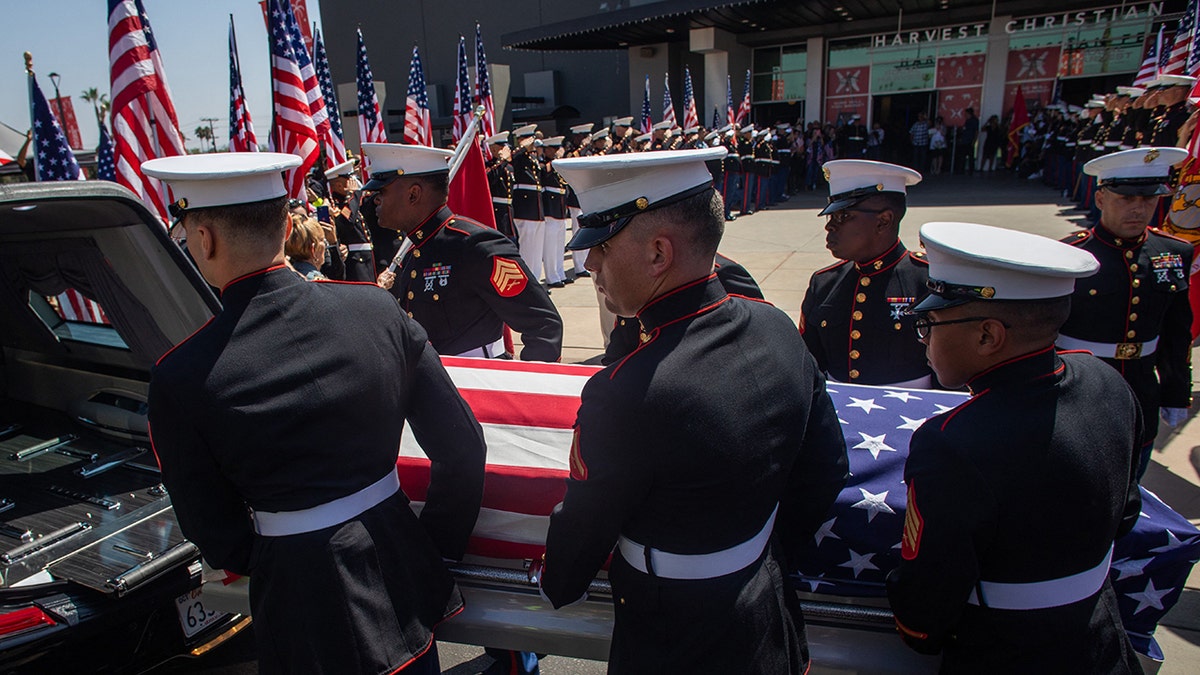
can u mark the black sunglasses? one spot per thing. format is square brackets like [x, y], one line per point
[922, 324]
[840, 217]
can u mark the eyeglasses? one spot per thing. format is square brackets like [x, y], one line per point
[840, 217]
[922, 324]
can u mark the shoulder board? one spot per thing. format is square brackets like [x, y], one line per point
[1077, 238]
[1172, 237]
[832, 267]
[919, 257]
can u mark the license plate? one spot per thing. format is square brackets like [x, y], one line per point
[193, 615]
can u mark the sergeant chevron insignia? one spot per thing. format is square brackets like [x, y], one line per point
[507, 277]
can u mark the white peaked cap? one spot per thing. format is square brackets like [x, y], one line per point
[969, 262]
[223, 178]
[344, 169]
[852, 180]
[389, 160]
[613, 188]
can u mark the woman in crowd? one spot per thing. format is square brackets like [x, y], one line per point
[305, 247]
[937, 146]
[991, 144]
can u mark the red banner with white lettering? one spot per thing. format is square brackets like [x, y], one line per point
[960, 71]
[847, 81]
[1032, 91]
[847, 105]
[1038, 63]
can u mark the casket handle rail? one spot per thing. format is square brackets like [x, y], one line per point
[44, 542]
[151, 569]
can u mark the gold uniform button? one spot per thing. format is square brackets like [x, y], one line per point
[1118, 242]
[412, 274]
[865, 281]
[861, 297]
[1129, 254]
[1135, 300]
[622, 322]
[1133, 267]
[854, 354]
[1131, 334]
[1172, 287]
[417, 254]
[897, 326]
[824, 323]
[420, 235]
[854, 335]
[410, 295]
[853, 374]
[622, 601]
[435, 297]
[1092, 292]
[1133, 317]
[878, 265]
[1137, 282]
[410, 315]
[857, 316]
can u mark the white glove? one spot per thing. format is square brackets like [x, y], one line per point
[1173, 417]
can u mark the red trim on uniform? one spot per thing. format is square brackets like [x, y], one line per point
[868, 272]
[1078, 239]
[950, 415]
[168, 352]
[920, 260]
[673, 291]
[327, 280]
[431, 639]
[429, 236]
[252, 274]
[1073, 351]
[521, 366]
[658, 330]
[150, 433]
[1014, 359]
[1168, 235]
[916, 634]
[752, 299]
[834, 266]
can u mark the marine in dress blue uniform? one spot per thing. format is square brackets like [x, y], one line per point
[249, 419]
[853, 313]
[500, 183]
[698, 587]
[460, 280]
[351, 230]
[1015, 496]
[1134, 314]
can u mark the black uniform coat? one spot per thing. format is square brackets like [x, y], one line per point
[360, 265]
[1029, 480]
[853, 320]
[626, 333]
[527, 190]
[463, 281]
[274, 407]
[1164, 131]
[666, 454]
[500, 182]
[1140, 293]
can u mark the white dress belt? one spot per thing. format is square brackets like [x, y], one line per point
[359, 247]
[526, 186]
[1043, 594]
[700, 566]
[1123, 351]
[336, 512]
[501, 200]
[488, 351]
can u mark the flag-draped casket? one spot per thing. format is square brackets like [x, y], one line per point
[528, 409]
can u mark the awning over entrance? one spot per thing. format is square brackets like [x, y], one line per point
[759, 22]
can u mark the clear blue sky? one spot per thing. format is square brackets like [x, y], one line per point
[70, 37]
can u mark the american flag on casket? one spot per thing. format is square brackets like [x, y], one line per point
[528, 409]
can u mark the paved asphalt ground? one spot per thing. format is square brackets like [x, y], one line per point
[782, 247]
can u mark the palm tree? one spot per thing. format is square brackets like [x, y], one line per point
[97, 99]
[205, 134]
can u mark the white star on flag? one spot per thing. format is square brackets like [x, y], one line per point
[911, 424]
[873, 503]
[1172, 542]
[944, 408]
[814, 582]
[905, 396]
[874, 444]
[826, 531]
[1150, 597]
[866, 404]
[858, 563]
[1129, 567]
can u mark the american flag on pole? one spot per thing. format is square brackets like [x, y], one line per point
[483, 92]
[52, 156]
[106, 168]
[6, 158]
[294, 130]
[743, 112]
[730, 113]
[1149, 69]
[647, 123]
[690, 118]
[462, 94]
[334, 140]
[668, 106]
[716, 123]
[418, 129]
[370, 121]
[1164, 54]
[527, 411]
[1183, 41]
[1192, 67]
[241, 128]
[143, 117]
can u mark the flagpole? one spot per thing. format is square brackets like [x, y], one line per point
[37, 172]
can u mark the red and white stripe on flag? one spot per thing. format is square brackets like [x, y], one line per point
[295, 130]
[6, 158]
[73, 306]
[527, 411]
[143, 117]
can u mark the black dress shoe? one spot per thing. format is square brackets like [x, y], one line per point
[557, 284]
[584, 273]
